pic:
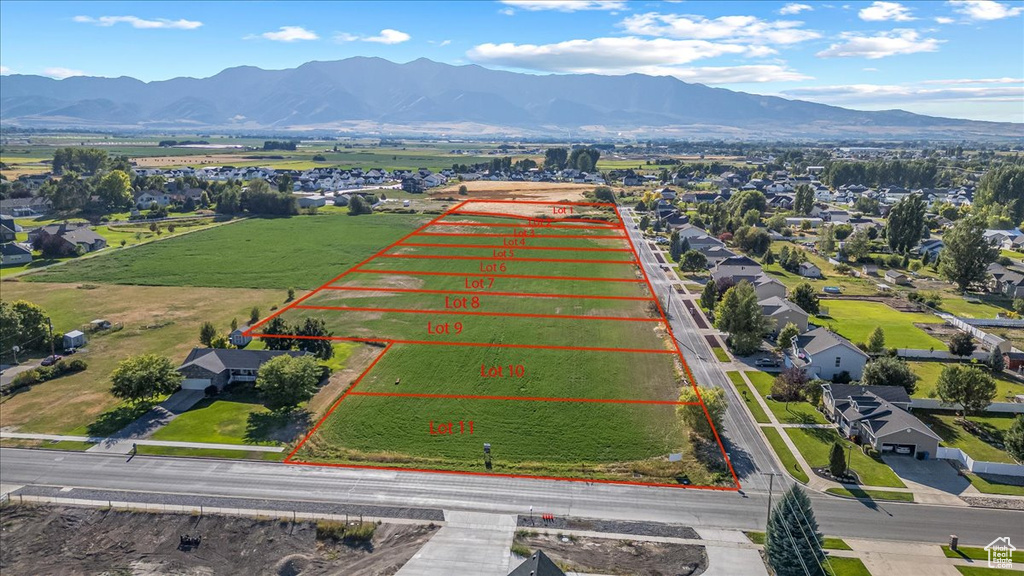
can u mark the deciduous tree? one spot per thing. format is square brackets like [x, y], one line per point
[786, 335]
[693, 415]
[966, 255]
[804, 297]
[739, 314]
[876, 342]
[889, 371]
[139, 378]
[207, 332]
[968, 386]
[285, 381]
[961, 344]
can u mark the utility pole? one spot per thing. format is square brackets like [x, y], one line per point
[50, 324]
[771, 484]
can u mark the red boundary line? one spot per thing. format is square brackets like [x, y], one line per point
[503, 246]
[523, 398]
[470, 344]
[502, 258]
[478, 313]
[390, 343]
[478, 293]
[544, 202]
[510, 225]
[486, 235]
[607, 224]
[485, 275]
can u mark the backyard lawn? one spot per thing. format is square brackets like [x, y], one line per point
[815, 444]
[787, 413]
[856, 319]
[953, 435]
[929, 372]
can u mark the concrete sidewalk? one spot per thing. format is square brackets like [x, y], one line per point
[469, 543]
[150, 422]
[140, 442]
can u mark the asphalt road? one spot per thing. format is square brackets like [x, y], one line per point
[700, 508]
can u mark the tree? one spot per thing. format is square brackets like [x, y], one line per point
[786, 335]
[317, 338]
[804, 297]
[968, 386]
[357, 205]
[139, 378]
[277, 325]
[641, 207]
[858, 245]
[234, 324]
[889, 371]
[744, 201]
[965, 258]
[463, 191]
[693, 261]
[789, 385]
[961, 344]
[792, 542]
[905, 225]
[996, 362]
[769, 258]
[754, 241]
[604, 194]
[1013, 438]
[693, 415]
[644, 222]
[254, 315]
[827, 240]
[709, 296]
[555, 158]
[33, 327]
[803, 200]
[291, 295]
[837, 460]
[876, 342]
[207, 332]
[1002, 187]
[739, 314]
[115, 190]
[285, 381]
[674, 247]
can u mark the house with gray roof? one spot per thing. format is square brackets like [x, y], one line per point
[1007, 280]
[73, 238]
[219, 367]
[14, 254]
[781, 312]
[824, 354]
[878, 416]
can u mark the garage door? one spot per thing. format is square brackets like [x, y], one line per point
[195, 383]
[901, 449]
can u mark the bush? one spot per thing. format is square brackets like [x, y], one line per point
[339, 531]
[44, 373]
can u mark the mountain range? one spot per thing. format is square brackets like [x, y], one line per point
[376, 96]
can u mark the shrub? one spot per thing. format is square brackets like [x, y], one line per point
[521, 551]
[339, 531]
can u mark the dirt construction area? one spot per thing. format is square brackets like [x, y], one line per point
[495, 190]
[71, 541]
[609, 556]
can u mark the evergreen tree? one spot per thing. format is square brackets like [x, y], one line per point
[876, 342]
[995, 361]
[769, 258]
[317, 340]
[207, 332]
[1014, 438]
[837, 460]
[673, 246]
[709, 296]
[792, 541]
[804, 297]
[277, 325]
[961, 344]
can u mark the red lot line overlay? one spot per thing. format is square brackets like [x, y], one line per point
[390, 342]
[489, 293]
[485, 246]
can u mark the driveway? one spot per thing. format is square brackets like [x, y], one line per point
[9, 372]
[933, 481]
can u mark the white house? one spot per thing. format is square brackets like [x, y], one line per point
[825, 354]
[149, 197]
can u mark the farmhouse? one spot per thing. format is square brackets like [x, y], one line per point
[877, 416]
[782, 312]
[219, 367]
[825, 354]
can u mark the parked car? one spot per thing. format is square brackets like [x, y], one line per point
[902, 450]
[51, 360]
[70, 351]
[767, 362]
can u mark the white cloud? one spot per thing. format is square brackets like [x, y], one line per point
[137, 22]
[290, 34]
[870, 69]
[746, 28]
[563, 5]
[883, 11]
[61, 73]
[718, 75]
[388, 36]
[944, 20]
[880, 45]
[794, 8]
[985, 9]
[5, 70]
[894, 93]
[976, 81]
[507, 11]
[445, 42]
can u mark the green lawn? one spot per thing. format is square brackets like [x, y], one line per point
[989, 487]
[787, 413]
[953, 435]
[721, 354]
[843, 566]
[748, 397]
[985, 571]
[828, 542]
[929, 372]
[873, 494]
[985, 308]
[211, 453]
[299, 252]
[788, 460]
[978, 553]
[856, 319]
[815, 444]
[218, 420]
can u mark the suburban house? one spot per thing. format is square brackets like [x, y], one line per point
[782, 312]
[1008, 280]
[72, 237]
[538, 564]
[825, 354]
[809, 270]
[767, 287]
[25, 207]
[877, 416]
[8, 229]
[897, 277]
[312, 201]
[738, 268]
[145, 200]
[219, 367]
[931, 247]
[14, 254]
[74, 339]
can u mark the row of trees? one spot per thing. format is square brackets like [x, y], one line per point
[311, 336]
[583, 159]
[905, 173]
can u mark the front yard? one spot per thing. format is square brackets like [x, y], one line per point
[815, 444]
[786, 412]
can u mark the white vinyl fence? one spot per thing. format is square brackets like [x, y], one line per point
[979, 467]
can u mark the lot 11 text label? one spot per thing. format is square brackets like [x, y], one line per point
[442, 429]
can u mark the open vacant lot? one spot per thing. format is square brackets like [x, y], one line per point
[297, 252]
[856, 319]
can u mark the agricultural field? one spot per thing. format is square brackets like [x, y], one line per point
[298, 252]
[538, 338]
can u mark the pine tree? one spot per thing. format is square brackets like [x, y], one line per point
[837, 460]
[673, 246]
[207, 332]
[792, 541]
[876, 342]
[709, 297]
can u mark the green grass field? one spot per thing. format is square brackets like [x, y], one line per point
[953, 435]
[786, 412]
[748, 397]
[815, 444]
[221, 420]
[929, 372]
[856, 319]
[300, 252]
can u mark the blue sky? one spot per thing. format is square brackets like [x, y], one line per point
[961, 59]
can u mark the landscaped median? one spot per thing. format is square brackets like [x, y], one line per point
[872, 494]
[748, 396]
[784, 454]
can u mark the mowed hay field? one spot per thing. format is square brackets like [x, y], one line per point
[300, 252]
[157, 320]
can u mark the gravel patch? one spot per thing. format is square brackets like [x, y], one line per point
[1002, 503]
[610, 526]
